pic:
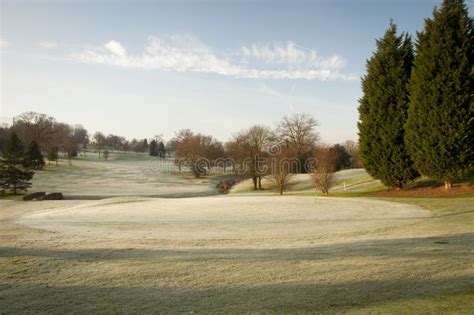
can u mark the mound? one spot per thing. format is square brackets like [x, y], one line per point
[224, 218]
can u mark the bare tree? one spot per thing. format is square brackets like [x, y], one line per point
[280, 168]
[252, 145]
[323, 173]
[197, 151]
[234, 151]
[81, 138]
[70, 148]
[176, 145]
[52, 154]
[299, 132]
[170, 146]
[34, 126]
[100, 141]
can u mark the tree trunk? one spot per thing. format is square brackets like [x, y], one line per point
[260, 183]
[254, 180]
[281, 189]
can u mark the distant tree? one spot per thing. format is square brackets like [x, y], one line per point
[323, 173]
[4, 135]
[235, 150]
[70, 148]
[106, 154]
[13, 175]
[114, 142]
[440, 125]
[253, 144]
[52, 154]
[343, 157]
[280, 167]
[80, 138]
[126, 146]
[100, 141]
[177, 141]
[33, 157]
[218, 156]
[170, 147]
[196, 151]
[153, 148]
[353, 149]
[144, 145]
[299, 132]
[161, 150]
[383, 110]
[31, 126]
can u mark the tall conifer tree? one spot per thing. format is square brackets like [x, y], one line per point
[383, 110]
[440, 126]
[33, 157]
[13, 175]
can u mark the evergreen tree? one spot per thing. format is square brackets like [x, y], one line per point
[383, 110]
[440, 125]
[13, 175]
[153, 148]
[144, 145]
[34, 157]
[161, 149]
[343, 157]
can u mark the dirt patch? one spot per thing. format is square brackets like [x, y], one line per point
[438, 191]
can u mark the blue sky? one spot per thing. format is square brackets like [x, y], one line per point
[141, 68]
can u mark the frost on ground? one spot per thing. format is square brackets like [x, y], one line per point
[345, 180]
[236, 255]
[288, 219]
[96, 179]
[227, 254]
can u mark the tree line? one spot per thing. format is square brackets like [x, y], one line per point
[255, 152]
[291, 147]
[417, 108]
[53, 137]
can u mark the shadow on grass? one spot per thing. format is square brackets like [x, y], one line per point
[336, 295]
[163, 195]
[282, 297]
[417, 247]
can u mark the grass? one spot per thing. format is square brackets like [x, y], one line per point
[421, 267]
[122, 174]
[345, 180]
[230, 254]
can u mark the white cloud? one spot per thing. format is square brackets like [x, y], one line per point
[116, 48]
[188, 54]
[48, 44]
[277, 53]
[290, 54]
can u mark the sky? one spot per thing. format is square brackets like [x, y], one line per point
[145, 68]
